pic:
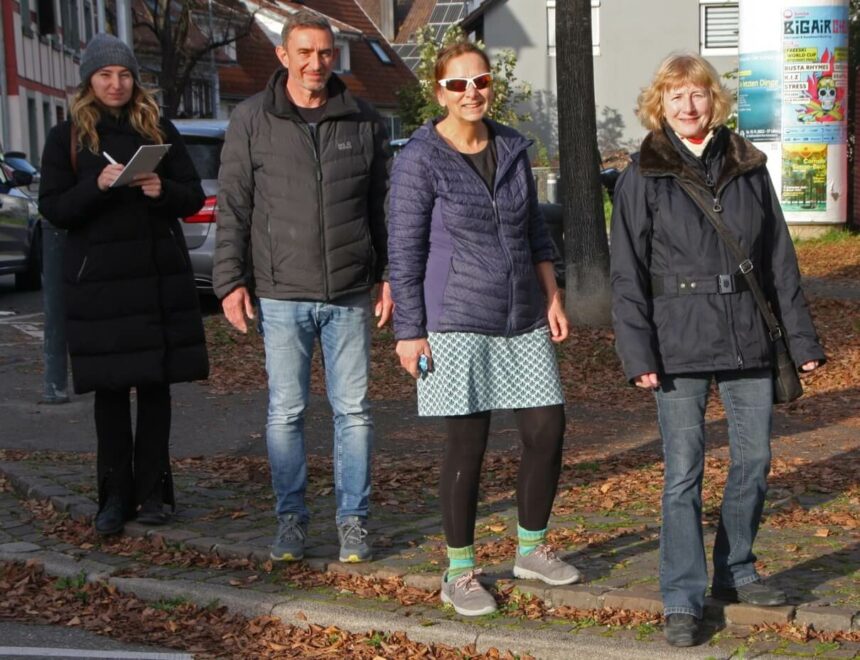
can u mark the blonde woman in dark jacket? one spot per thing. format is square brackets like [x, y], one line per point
[132, 315]
[684, 317]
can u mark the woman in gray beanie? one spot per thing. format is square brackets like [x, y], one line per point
[133, 319]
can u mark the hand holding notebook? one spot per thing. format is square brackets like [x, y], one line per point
[144, 161]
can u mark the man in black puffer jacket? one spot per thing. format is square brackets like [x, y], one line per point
[303, 185]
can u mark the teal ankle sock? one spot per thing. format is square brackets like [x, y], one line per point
[460, 560]
[529, 540]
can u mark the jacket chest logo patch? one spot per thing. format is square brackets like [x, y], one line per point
[344, 146]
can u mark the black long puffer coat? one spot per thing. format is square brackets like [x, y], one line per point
[133, 316]
[659, 234]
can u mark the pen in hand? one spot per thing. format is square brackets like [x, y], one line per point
[109, 158]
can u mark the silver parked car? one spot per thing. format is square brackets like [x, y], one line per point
[20, 230]
[203, 138]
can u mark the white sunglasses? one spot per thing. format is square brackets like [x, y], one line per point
[481, 81]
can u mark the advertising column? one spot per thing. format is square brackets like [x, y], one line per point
[792, 101]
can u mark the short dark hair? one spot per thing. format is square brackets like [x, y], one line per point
[304, 18]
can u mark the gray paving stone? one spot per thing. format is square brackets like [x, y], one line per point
[205, 544]
[423, 581]
[173, 535]
[748, 615]
[578, 596]
[634, 599]
[19, 547]
[825, 618]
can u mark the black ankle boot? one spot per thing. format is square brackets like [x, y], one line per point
[682, 629]
[152, 512]
[111, 518]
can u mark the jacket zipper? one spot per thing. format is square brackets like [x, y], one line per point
[500, 172]
[318, 167]
[718, 208]
[81, 269]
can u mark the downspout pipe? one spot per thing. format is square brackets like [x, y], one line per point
[4, 90]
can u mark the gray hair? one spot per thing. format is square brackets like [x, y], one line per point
[304, 18]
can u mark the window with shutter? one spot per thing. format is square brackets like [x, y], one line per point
[718, 28]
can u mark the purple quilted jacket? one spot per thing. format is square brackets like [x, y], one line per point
[460, 258]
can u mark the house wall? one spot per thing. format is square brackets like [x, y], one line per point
[41, 75]
[632, 37]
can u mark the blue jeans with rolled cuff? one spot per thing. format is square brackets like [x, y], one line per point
[290, 331]
[747, 396]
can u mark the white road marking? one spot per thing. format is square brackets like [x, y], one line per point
[30, 329]
[12, 317]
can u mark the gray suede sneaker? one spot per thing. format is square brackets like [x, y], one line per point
[353, 546]
[467, 595]
[289, 543]
[544, 565]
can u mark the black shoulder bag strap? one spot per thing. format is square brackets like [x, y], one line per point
[711, 210]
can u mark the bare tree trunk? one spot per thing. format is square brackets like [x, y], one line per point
[586, 252]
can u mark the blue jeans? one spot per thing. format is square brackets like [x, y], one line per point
[290, 330]
[681, 399]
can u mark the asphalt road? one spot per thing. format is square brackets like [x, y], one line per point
[22, 640]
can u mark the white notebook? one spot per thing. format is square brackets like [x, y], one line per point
[144, 161]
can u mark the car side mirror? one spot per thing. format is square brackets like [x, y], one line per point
[21, 179]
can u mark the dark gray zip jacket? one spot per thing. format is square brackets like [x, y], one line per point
[309, 210]
[658, 233]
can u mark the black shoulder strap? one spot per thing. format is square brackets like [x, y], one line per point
[712, 209]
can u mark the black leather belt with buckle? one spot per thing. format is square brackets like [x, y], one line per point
[681, 285]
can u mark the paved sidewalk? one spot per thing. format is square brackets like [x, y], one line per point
[606, 521]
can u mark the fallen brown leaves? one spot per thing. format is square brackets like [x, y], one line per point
[836, 260]
[518, 603]
[800, 633]
[300, 575]
[28, 595]
[153, 550]
[590, 370]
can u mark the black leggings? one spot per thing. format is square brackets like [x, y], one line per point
[542, 435]
[134, 466]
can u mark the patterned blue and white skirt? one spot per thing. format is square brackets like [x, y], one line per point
[474, 372]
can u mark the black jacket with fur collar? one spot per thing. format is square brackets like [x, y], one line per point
[658, 233]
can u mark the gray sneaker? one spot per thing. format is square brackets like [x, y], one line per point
[289, 544]
[467, 595]
[543, 564]
[353, 546]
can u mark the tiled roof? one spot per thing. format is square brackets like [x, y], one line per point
[369, 77]
[418, 16]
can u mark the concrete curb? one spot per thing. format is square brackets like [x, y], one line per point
[818, 615]
[302, 611]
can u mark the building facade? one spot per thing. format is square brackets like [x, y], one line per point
[629, 39]
[42, 42]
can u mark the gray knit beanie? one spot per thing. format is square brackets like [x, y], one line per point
[106, 50]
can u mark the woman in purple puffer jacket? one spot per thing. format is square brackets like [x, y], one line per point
[476, 313]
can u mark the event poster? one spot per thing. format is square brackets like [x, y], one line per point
[804, 177]
[815, 81]
[759, 103]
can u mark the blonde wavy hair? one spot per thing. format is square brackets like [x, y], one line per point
[676, 71]
[142, 112]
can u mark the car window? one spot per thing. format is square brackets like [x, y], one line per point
[205, 153]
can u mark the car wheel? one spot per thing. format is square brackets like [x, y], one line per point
[31, 279]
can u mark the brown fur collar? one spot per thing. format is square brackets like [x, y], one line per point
[658, 157]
